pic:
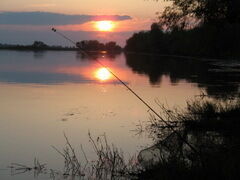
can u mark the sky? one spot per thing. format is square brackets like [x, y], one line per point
[24, 21]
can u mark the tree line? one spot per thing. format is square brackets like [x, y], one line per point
[87, 45]
[209, 28]
[94, 45]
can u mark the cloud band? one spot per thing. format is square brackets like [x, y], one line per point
[47, 18]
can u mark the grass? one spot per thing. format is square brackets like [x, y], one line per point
[212, 128]
[110, 163]
[37, 168]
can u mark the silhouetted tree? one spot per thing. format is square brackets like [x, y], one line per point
[205, 28]
[91, 45]
[112, 46]
[39, 44]
[186, 13]
[94, 45]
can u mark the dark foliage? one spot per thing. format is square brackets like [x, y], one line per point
[203, 28]
[91, 45]
[36, 46]
[94, 45]
[186, 13]
[39, 44]
[213, 129]
[205, 41]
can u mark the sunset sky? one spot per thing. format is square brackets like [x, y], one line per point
[23, 21]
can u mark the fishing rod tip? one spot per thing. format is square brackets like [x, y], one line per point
[54, 30]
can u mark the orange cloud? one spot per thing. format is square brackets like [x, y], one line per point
[119, 26]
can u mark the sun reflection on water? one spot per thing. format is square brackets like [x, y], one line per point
[103, 74]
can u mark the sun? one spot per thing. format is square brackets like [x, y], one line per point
[104, 25]
[103, 74]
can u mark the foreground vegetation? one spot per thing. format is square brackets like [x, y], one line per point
[199, 142]
[110, 163]
[212, 129]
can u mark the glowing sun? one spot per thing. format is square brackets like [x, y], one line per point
[103, 74]
[104, 25]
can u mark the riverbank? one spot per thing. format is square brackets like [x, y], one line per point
[212, 130]
[207, 41]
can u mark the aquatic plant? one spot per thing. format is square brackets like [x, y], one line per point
[109, 164]
[211, 127]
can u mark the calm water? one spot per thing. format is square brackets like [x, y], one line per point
[44, 94]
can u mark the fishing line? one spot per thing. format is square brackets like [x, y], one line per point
[130, 89]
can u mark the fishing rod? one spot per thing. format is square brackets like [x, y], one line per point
[130, 89]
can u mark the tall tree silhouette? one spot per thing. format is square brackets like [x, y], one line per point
[186, 13]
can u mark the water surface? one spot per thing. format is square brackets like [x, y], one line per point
[44, 94]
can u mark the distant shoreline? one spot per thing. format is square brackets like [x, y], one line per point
[88, 46]
[55, 49]
[33, 49]
[28, 48]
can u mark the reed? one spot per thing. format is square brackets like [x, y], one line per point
[110, 163]
[211, 127]
[37, 168]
